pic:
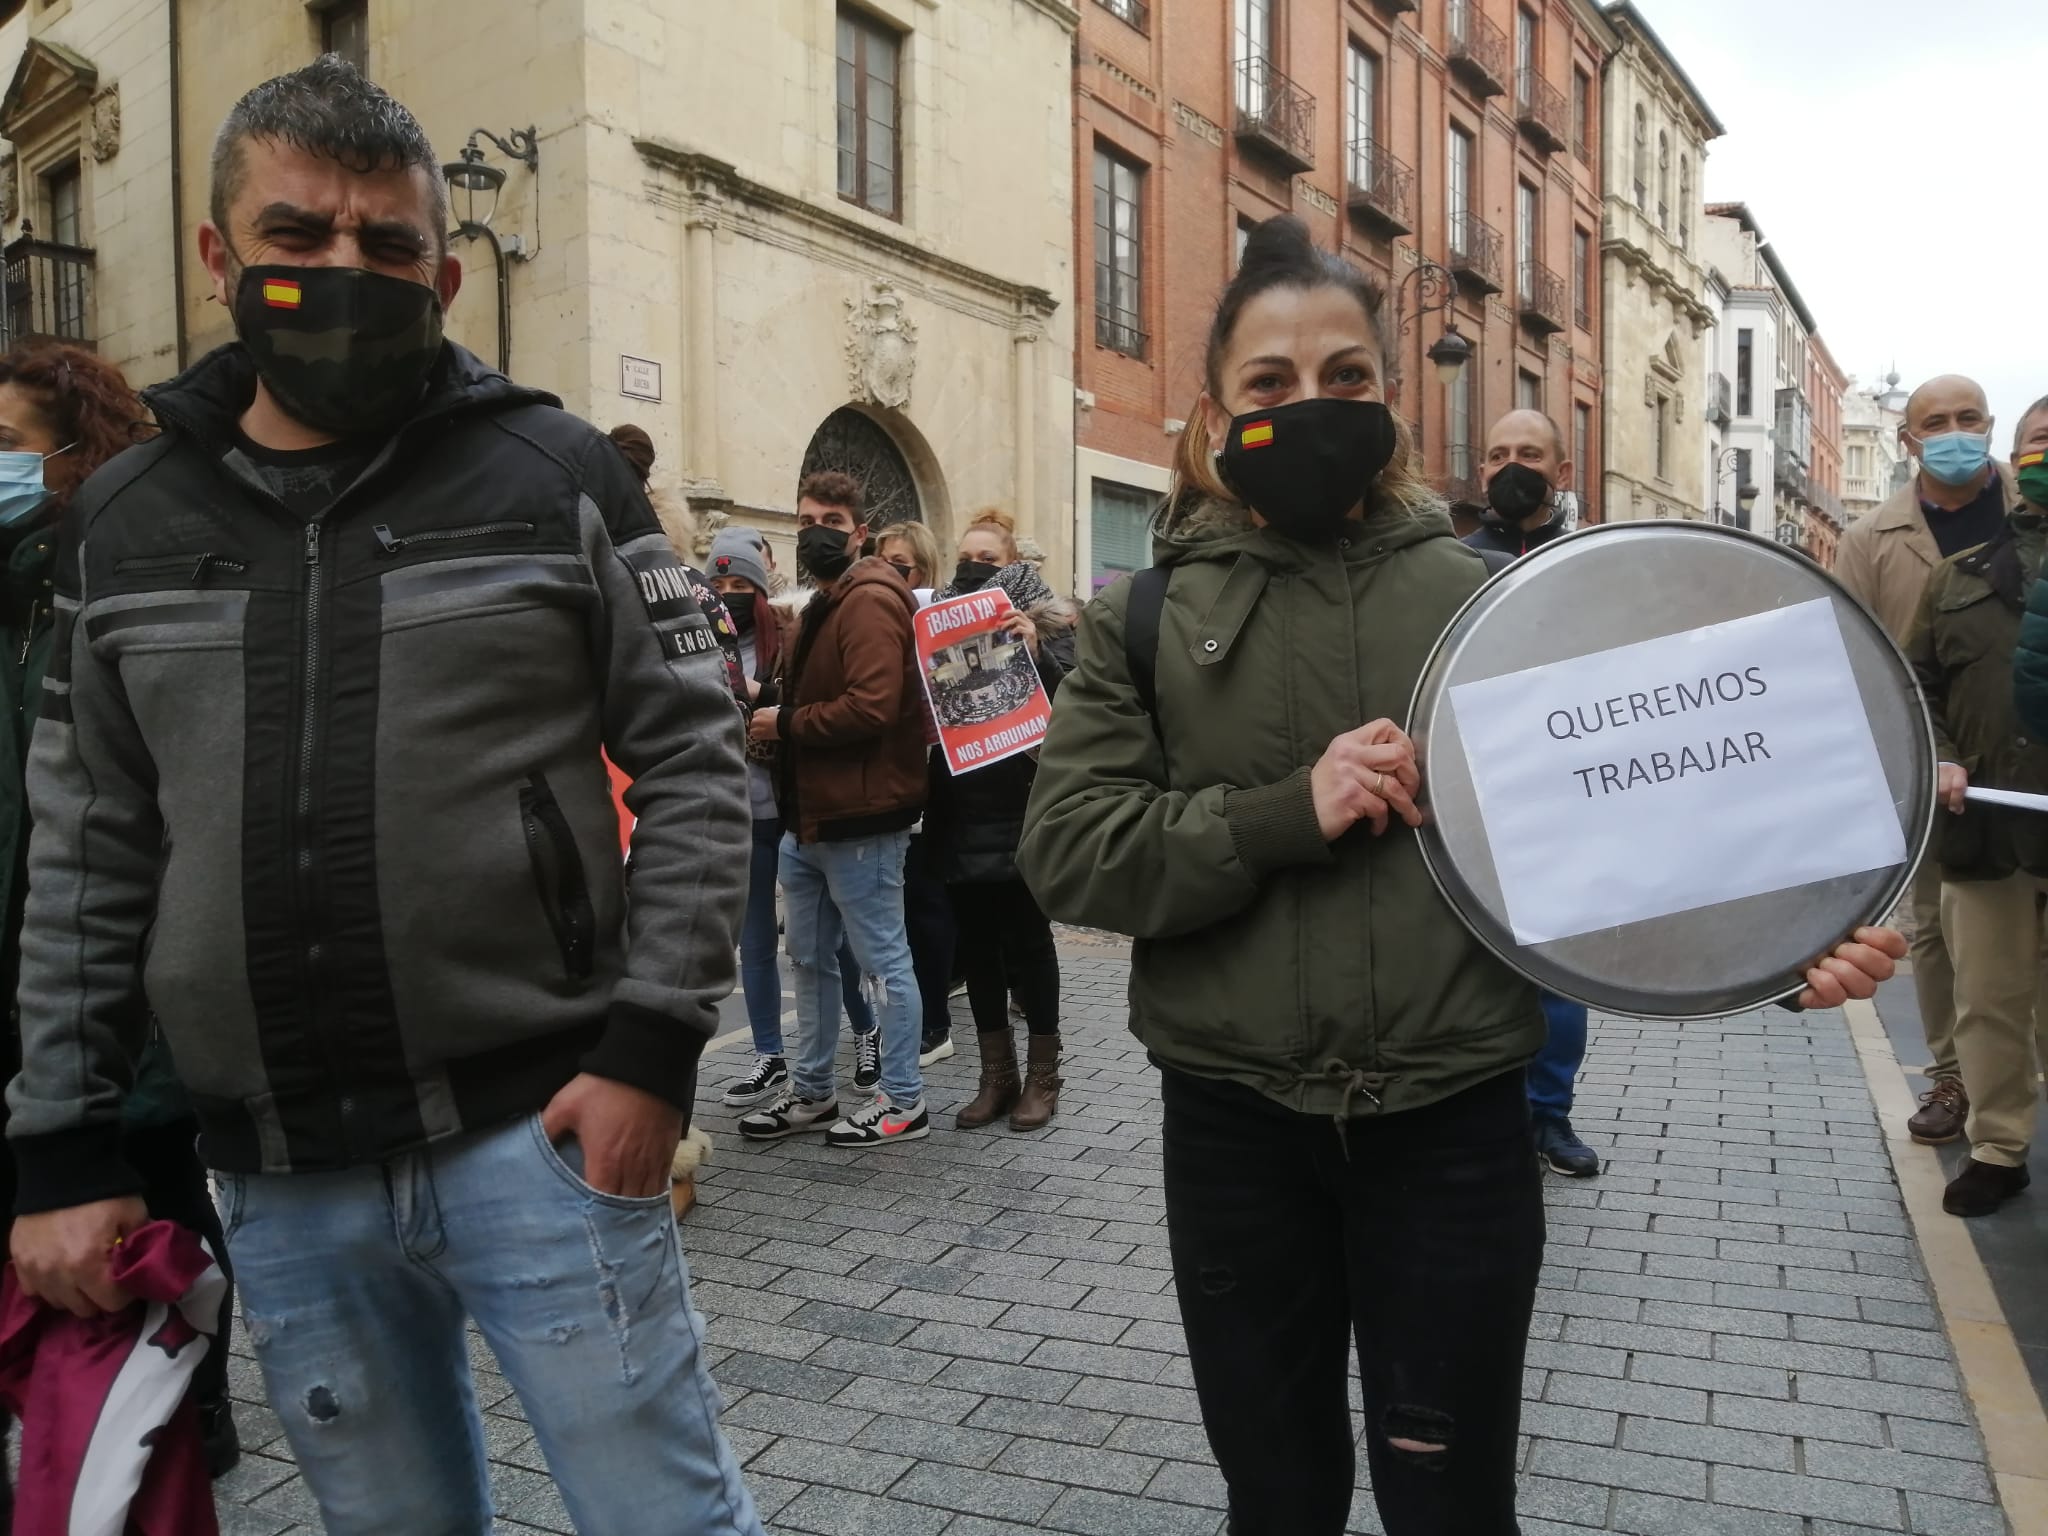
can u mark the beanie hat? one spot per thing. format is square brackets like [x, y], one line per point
[740, 552]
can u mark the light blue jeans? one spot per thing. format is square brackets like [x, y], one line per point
[355, 1286]
[851, 890]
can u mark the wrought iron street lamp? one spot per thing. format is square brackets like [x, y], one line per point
[478, 184]
[1745, 493]
[1434, 291]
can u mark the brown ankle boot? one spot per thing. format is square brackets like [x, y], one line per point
[998, 1081]
[1041, 1097]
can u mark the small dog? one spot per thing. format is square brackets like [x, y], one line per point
[691, 1152]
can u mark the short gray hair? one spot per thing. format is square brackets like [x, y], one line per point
[2019, 435]
[330, 109]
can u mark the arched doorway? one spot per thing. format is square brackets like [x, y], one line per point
[854, 442]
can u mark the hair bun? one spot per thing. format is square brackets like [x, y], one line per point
[1281, 241]
[994, 517]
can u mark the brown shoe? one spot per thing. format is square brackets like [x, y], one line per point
[1041, 1100]
[1982, 1188]
[999, 1085]
[1943, 1109]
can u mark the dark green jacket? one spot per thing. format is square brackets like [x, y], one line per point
[2030, 666]
[1962, 645]
[1331, 978]
[156, 1097]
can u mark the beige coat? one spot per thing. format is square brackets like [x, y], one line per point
[1885, 560]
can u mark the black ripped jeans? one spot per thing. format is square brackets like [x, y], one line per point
[1422, 1240]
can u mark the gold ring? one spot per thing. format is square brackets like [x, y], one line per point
[1378, 780]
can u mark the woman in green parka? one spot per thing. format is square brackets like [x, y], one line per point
[1346, 1136]
[64, 412]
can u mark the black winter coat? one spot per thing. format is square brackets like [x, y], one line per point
[974, 821]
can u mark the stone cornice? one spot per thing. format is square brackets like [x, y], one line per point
[708, 179]
[1068, 16]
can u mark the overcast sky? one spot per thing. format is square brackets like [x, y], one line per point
[1896, 154]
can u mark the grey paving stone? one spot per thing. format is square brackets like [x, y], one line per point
[1621, 1469]
[1650, 1514]
[1157, 1437]
[1801, 1418]
[1931, 1515]
[1736, 1447]
[956, 1444]
[1146, 1400]
[884, 1362]
[976, 1492]
[1711, 1375]
[1077, 1466]
[1092, 1513]
[866, 1289]
[850, 1322]
[931, 1403]
[838, 1466]
[790, 1378]
[1007, 1380]
[1899, 1469]
[1632, 1397]
[797, 1416]
[1184, 1482]
[972, 1343]
[938, 1307]
[1063, 1323]
[1062, 1422]
[1819, 1497]
[841, 1512]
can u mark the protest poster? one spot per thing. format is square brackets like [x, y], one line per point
[1702, 767]
[980, 680]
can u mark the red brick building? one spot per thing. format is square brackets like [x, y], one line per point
[1459, 132]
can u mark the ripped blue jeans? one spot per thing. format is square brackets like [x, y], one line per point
[355, 1290]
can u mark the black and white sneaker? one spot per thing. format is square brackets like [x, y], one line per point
[789, 1115]
[769, 1078]
[867, 1058]
[936, 1049]
[879, 1124]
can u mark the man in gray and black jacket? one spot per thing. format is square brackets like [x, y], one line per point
[319, 783]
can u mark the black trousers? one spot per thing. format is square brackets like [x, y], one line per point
[1419, 1235]
[1004, 944]
[928, 924]
[167, 1156]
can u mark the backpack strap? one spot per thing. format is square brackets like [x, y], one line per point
[1141, 634]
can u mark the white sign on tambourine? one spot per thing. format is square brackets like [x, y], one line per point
[1727, 761]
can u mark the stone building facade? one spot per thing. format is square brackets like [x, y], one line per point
[1661, 398]
[1449, 150]
[778, 237]
[1874, 461]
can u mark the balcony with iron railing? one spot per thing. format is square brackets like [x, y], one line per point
[1479, 49]
[49, 291]
[1540, 298]
[1119, 332]
[1461, 476]
[1789, 475]
[1475, 253]
[1540, 110]
[1381, 188]
[1134, 13]
[1275, 117]
[1720, 408]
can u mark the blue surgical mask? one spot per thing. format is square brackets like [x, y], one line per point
[1955, 458]
[22, 492]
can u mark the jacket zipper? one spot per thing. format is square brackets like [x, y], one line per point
[392, 543]
[28, 633]
[564, 891]
[309, 713]
[200, 564]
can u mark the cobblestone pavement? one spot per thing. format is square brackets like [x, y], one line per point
[1734, 1338]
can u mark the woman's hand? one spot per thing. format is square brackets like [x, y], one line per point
[1854, 969]
[1024, 627]
[1366, 775]
[764, 725]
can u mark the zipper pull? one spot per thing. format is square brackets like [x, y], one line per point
[391, 543]
[312, 543]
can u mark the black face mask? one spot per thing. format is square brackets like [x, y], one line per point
[342, 350]
[1515, 492]
[823, 552]
[1304, 466]
[971, 575]
[907, 572]
[741, 606]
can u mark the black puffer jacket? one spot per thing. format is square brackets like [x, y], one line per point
[973, 822]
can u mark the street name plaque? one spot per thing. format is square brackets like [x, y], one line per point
[1668, 765]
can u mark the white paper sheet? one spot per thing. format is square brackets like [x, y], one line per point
[1676, 773]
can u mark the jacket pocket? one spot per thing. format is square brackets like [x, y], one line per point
[558, 875]
[197, 564]
[391, 543]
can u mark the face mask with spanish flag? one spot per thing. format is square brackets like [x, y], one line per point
[1305, 465]
[343, 350]
[2030, 470]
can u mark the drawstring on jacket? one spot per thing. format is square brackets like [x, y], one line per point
[1354, 1081]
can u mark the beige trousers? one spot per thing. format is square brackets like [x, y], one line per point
[1934, 974]
[1995, 930]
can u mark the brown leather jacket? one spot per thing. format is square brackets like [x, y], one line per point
[851, 724]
